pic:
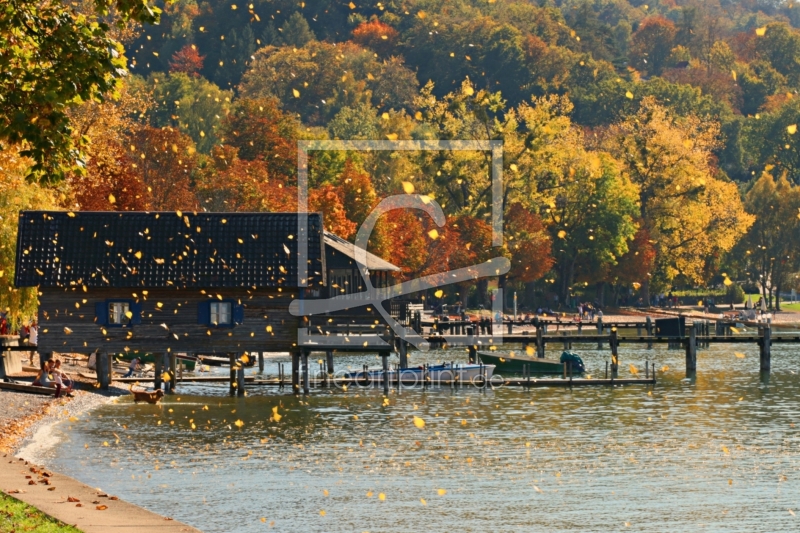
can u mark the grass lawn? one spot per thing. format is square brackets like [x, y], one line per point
[790, 306]
[18, 517]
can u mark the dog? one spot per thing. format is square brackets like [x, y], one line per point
[151, 397]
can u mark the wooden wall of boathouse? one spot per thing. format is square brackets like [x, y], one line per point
[168, 321]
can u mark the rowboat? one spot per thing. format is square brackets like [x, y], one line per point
[511, 363]
[443, 372]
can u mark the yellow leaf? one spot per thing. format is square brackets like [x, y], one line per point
[739, 355]
[112, 199]
[417, 115]
[422, 501]
[629, 95]
[433, 234]
[391, 136]
[761, 31]
[296, 93]
[792, 129]
[733, 73]
[468, 90]
[438, 293]
[422, 14]
[727, 282]
[562, 234]
[238, 423]
[735, 330]
[322, 513]
[382, 497]
[385, 116]
[633, 370]
[408, 187]
[351, 5]
[67, 331]
[420, 423]
[325, 492]
[138, 255]
[725, 450]
[442, 492]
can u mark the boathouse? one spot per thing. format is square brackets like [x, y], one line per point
[167, 282]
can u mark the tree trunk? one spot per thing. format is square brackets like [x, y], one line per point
[778, 298]
[646, 292]
[502, 283]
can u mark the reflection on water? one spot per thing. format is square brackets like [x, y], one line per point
[719, 452]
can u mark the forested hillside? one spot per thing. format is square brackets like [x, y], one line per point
[646, 145]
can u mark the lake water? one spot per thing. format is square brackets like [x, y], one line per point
[719, 453]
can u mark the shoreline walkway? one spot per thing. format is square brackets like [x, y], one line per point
[50, 492]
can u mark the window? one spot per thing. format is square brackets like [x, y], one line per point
[220, 313]
[119, 312]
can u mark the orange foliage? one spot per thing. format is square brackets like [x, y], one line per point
[187, 60]
[636, 265]
[377, 36]
[529, 244]
[164, 160]
[327, 200]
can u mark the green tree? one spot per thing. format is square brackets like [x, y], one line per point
[191, 104]
[53, 57]
[296, 31]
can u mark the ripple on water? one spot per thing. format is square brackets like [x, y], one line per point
[719, 452]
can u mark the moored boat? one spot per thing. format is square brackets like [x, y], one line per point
[511, 363]
[434, 373]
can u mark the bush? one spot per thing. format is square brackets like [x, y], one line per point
[734, 294]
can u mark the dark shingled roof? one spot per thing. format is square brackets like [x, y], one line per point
[166, 249]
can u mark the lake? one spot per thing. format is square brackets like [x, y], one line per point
[717, 453]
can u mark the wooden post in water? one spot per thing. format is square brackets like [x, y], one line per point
[402, 352]
[240, 380]
[599, 332]
[385, 365]
[296, 372]
[159, 369]
[649, 328]
[101, 368]
[765, 346]
[691, 351]
[510, 327]
[173, 372]
[614, 351]
[261, 362]
[304, 364]
[329, 364]
[473, 347]
[539, 341]
[232, 363]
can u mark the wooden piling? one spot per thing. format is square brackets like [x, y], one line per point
[329, 364]
[691, 351]
[510, 328]
[473, 347]
[304, 365]
[173, 372]
[232, 384]
[159, 369]
[102, 369]
[261, 362]
[402, 352]
[614, 351]
[649, 327]
[296, 372]
[385, 365]
[599, 332]
[240, 380]
[539, 342]
[765, 346]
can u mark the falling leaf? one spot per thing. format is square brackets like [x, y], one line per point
[422, 501]
[629, 95]
[439, 293]
[67, 331]
[275, 415]
[735, 330]
[422, 14]
[442, 492]
[138, 255]
[468, 90]
[733, 73]
[408, 187]
[761, 31]
[322, 513]
[325, 492]
[562, 234]
[725, 450]
[739, 355]
[351, 5]
[727, 282]
[238, 423]
[112, 199]
[296, 93]
[420, 423]
[633, 370]
[433, 234]
[382, 497]
[101, 507]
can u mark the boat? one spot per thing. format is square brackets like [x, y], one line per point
[124, 359]
[443, 372]
[512, 363]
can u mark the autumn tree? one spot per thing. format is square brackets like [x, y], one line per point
[187, 60]
[770, 247]
[651, 44]
[688, 210]
[53, 57]
[164, 161]
[377, 36]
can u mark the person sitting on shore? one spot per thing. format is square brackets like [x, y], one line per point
[61, 378]
[132, 367]
[43, 379]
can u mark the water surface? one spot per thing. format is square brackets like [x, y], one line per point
[718, 453]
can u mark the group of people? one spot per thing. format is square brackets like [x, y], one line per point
[588, 311]
[51, 375]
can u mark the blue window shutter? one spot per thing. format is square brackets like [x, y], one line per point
[238, 313]
[136, 313]
[204, 313]
[101, 313]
